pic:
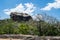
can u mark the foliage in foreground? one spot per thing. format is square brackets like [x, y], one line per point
[40, 28]
[13, 27]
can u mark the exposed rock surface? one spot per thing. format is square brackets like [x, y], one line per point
[20, 16]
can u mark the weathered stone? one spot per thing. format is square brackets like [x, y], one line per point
[20, 16]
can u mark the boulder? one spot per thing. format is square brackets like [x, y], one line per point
[20, 16]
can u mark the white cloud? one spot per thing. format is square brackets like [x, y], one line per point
[55, 4]
[7, 11]
[26, 8]
[37, 17]
[30, 8]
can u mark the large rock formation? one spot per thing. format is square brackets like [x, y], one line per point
[20, 16]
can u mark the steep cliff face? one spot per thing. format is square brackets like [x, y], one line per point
[20, 16]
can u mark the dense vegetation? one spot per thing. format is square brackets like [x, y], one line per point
[9, 26]
[41, 27]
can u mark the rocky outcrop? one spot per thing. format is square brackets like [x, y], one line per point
[20, 16]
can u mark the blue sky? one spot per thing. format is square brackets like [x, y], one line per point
[51, 7]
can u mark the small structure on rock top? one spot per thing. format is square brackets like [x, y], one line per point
[20, 16]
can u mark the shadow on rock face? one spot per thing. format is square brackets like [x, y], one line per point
[20, 16]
